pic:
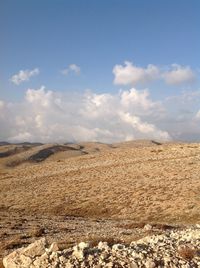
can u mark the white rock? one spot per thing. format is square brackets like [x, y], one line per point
[24, 257]
[103, 246]
[78, 254]
[83, 245]
[133, 265]
[53, 247]
[148, 227]
[41, 261]
[35, 249]
[150, 264]
[117, 247]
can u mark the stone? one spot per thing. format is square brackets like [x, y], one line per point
[35, 249]
[78, 254]
[148, 227]
[133, 265]
[83, 245]
[150, 264]
[103, 246]
[159, 249]
[41, 261]
[9, 261]
[117, 247]
[69, 265]
[25, 260]
[23, 257]
[53, 247]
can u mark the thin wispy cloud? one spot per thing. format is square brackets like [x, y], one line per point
[23, 75]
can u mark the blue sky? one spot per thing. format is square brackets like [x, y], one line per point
[95, 36]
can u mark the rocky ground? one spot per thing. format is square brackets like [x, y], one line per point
[96, 192]
[173, 248]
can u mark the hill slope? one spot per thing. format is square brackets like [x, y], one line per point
[122, 182]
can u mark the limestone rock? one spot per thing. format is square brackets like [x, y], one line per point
[23, 257]
[147, 227]
[162, 249]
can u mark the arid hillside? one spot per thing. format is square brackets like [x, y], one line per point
[44, 187]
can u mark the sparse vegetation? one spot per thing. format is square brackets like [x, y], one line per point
[132, 184]
[186, 253]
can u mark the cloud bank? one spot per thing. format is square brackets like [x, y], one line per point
[49, 116]
[23, 75]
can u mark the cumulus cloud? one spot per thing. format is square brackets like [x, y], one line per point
[129, 74]
[143, 127]
[139, 100]
[24, 75]
[49, 116]
[179, 75]
[71, 68]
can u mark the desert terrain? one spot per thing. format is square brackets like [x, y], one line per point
[93, 191]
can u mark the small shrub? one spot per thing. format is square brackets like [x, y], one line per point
[186, 253]
[37, 232]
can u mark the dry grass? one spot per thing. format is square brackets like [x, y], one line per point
[124, 182]
[36, 232]
[132, 225]
[187, 253]
[1, 264]
[13, 243]
[137, 181]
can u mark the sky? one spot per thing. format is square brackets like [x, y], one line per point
[108, 71]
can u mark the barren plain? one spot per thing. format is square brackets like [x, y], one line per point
[94, 191]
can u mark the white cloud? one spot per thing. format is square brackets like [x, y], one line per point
[138, 99]
[179, 75]
[24, 75]
[71, 68]
[182, 117]
[65, 71]
[49, 116]
[197, 116]
[144, 127]
[75, 68]
[1, 104]
[186, 97]
[130, 74]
